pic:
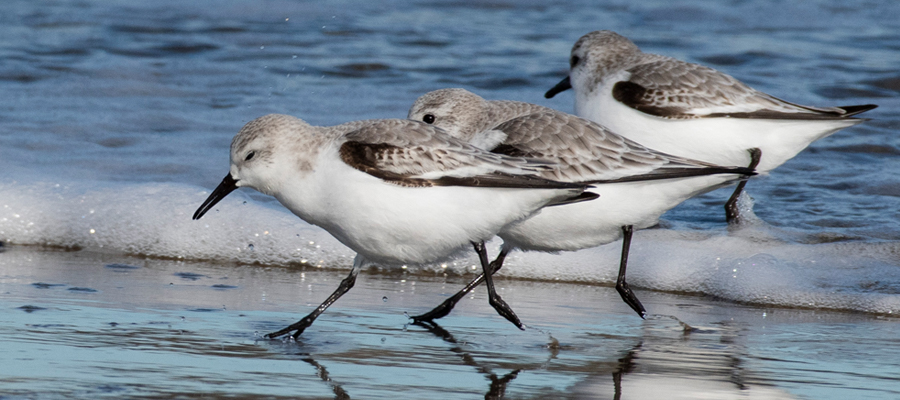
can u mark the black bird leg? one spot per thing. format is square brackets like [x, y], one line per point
[444, 308]
[308, 320]
[732, 213]
[622, 286]
[494, 298]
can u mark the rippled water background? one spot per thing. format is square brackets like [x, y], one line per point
[116, 120]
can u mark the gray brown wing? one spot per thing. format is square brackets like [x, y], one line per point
[412, 153]
[670, 88]
[588, 152]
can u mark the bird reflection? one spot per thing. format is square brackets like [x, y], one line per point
[672, 359]
[322, 373]
[626, 365]
[497, 389]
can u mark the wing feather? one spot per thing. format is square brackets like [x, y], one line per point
[671, 88]
[411, 153]
[587, 152]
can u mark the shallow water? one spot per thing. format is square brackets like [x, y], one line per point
[88, 325]
[117, 119]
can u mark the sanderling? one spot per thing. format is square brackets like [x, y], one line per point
[691, 110]
[395, 191]
[636, 184]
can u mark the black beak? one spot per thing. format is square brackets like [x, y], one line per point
[227, 186]
[560, 87]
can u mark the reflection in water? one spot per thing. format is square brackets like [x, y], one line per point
[670, 359]
[322, 373]
[498, 384]
[190, 338]
[626, 365]
[674, 360]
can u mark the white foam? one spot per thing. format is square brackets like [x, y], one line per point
[155, 220]
[757, 264]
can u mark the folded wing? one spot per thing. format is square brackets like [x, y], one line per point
[670, 88]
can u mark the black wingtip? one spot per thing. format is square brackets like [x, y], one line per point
[560, 87]
[583, 196]
[858, 109]
[685, 172]
[227, 186]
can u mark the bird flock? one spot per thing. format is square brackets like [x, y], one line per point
[649, 132]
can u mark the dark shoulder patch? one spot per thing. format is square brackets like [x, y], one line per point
[640, 98]
[629, 93]
[361, 155]
[364, 157]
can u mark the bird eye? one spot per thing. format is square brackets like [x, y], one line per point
[249, 156]
[574, 61]
[428, 118]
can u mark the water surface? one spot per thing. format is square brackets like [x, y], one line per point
[117, 119]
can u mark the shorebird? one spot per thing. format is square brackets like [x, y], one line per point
[690, 110]
[636, 184]
[395, 191]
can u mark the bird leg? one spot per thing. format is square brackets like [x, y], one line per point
[493, 298]
[308, 320]
[444, 308]
[732, 212]
[622, 286]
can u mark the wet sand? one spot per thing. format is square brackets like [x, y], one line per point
[86, 324]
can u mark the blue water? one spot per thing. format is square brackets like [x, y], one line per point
[117, 118]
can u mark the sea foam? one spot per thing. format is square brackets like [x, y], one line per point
[756, 263]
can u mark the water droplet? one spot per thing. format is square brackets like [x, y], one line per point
[384, 339]
[406, 314]
[250, 246]
[262, 47]
[384, 299]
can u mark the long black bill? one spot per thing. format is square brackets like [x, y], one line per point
[227, 186]
[560, 87]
